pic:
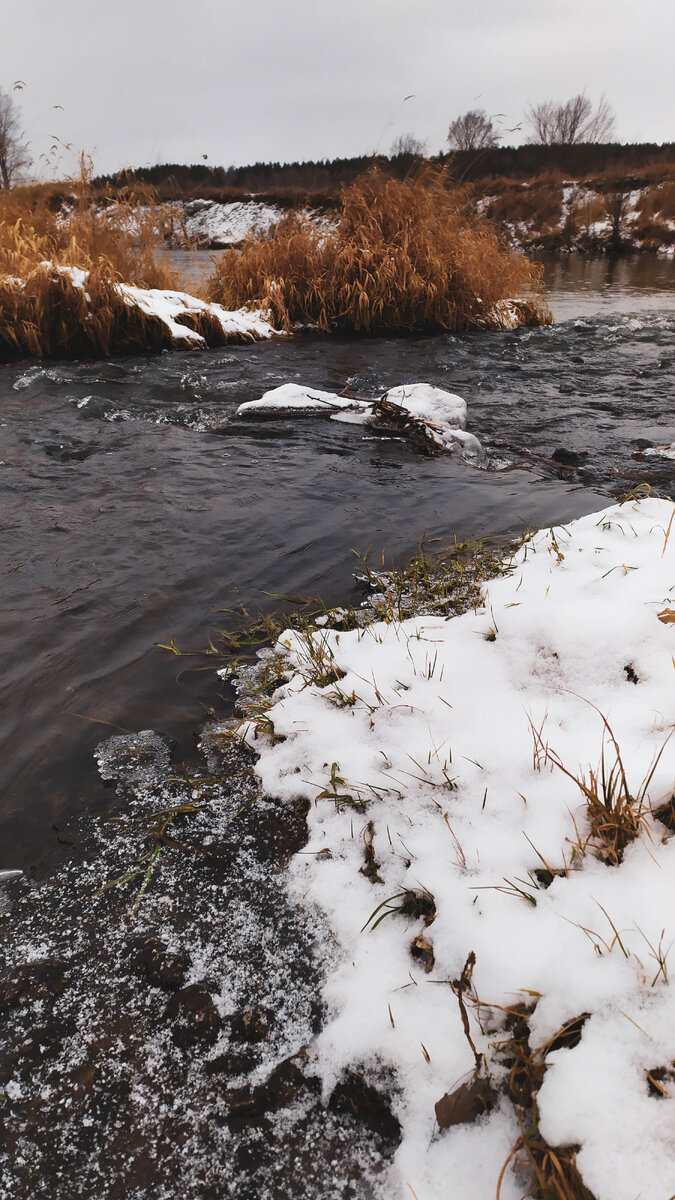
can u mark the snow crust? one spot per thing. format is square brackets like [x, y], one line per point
[425, 728]
[430, 403]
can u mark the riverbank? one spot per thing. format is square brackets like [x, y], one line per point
[202, 999]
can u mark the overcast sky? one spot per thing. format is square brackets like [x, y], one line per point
[150, 81]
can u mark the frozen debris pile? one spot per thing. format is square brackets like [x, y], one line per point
[60, 309]
[433, 419]
[492, 810]
[662, 451]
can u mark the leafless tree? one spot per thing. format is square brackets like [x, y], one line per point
[552, 123]
[407, 143]
[473, 131]
[14, 154]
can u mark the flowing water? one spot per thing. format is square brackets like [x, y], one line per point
[134, 504]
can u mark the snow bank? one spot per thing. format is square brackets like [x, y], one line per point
[444, 745]
[207, 222]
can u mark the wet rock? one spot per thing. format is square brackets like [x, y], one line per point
[196, 1017]
[249, 1105]
[368, 1105]
[44, 980]
[569, 458]
[160, 967]
[233, 1062]
[251, 1025]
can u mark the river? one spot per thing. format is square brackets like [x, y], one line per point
[134, 505]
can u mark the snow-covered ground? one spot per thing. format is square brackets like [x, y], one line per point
[445, 761]
[208, 223]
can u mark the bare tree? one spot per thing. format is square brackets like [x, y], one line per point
[569, 123]
[14, 154]
[473, 131]
[407, 143]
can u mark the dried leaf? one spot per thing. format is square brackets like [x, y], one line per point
[466, 1103]
[667, 615]
[422, 949]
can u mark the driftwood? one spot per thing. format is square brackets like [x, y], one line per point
[389, 417]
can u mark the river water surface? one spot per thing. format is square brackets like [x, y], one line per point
[134, 505]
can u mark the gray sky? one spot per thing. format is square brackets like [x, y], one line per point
[150, 81]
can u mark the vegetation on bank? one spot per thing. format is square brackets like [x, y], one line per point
[405, 255]
[68, 269]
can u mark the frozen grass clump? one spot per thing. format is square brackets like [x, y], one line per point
[406, 255]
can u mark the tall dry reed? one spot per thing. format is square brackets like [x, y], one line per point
[404, 255]
[112, 236]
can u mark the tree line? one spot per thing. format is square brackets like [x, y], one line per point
[573, 136]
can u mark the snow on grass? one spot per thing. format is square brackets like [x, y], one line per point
[466, 753]
[167, 306]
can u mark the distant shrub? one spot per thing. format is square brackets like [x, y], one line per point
[539, 203]
[404, 255]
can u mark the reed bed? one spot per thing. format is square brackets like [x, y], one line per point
[405, 255]
[110, 237]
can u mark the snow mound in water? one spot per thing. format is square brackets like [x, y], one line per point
[297, 399]
[429, 403]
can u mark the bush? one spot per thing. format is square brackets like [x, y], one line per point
[405, 255]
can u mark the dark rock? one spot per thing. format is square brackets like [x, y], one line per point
[569, 458]
[161, 968]
[44, 980]
[251, 1025]
[353, 1095]
[196, 1016]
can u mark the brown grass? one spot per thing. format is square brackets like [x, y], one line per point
[405, 255]
[112, 237]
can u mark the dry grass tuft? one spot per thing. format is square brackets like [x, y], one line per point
[552, 1171]
[405, 255]
[616, 814]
